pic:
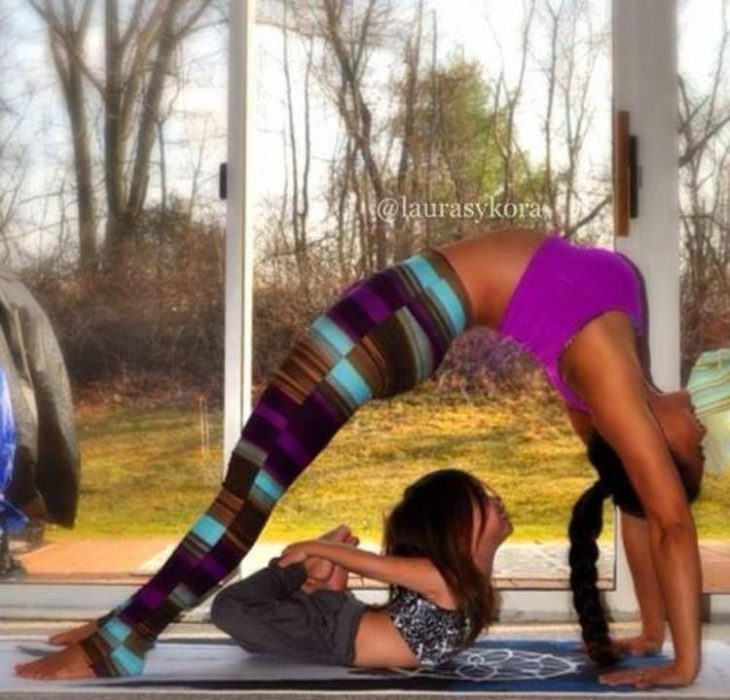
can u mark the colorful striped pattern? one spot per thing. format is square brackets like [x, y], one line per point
[383, 337]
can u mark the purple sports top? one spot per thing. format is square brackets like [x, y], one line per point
[563, 288]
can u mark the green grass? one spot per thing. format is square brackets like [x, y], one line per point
[144, 474]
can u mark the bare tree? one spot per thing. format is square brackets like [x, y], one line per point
[300, 190]
[12, 173]
[559, 183]
[138, 62]
[350, 47]
[705, 206]
[568, 71]
[13, 152]
[403, 235]
[506, 142]
[67, 25]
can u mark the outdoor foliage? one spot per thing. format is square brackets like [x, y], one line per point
[131, 271]
[153, 318]
[522, 447]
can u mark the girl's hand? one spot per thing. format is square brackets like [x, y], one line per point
[649, 677]
[295, 553]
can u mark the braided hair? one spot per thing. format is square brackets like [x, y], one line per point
[584, 529]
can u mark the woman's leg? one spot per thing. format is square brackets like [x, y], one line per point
[383, 337]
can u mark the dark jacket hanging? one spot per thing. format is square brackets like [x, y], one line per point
[47, 457]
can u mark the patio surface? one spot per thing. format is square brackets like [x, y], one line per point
[519, 565]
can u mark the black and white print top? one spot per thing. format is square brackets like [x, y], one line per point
[432, 633]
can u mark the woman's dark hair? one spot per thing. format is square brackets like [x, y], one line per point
[434, 519]
[585, 527]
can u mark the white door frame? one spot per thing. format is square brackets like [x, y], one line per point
[239, 230]
[645, 47]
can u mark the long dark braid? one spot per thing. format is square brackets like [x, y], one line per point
[584, 529]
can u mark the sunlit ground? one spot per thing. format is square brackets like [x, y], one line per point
[145, 472]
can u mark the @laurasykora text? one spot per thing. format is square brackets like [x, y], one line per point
[394, 208]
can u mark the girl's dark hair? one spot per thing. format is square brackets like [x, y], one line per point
[585, 527]
[434, 519]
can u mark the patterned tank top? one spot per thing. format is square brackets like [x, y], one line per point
[432, 633]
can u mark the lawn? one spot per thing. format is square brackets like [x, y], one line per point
[144, 472]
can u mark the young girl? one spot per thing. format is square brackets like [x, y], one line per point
[439, 545]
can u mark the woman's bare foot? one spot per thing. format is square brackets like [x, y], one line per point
[68, 663]
[76, 634]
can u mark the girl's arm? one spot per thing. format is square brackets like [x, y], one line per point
[416, 573]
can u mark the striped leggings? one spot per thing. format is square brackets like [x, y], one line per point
[384, 336]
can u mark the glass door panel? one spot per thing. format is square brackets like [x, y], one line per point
[112, 238]
[704, 169]
[382, 132]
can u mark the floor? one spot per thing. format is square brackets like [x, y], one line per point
[525, 565]
[518, 565]
[193, 661]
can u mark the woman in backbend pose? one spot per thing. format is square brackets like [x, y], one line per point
[578, 310]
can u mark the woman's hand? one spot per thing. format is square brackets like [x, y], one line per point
[649, 677]
[641, 645]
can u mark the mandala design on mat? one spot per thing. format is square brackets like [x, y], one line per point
[498, 665]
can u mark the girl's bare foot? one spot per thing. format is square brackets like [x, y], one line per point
[68, 663]
[321, 569]
[76, 634]
[338, 580]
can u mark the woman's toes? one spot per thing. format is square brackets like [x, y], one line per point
[75, 634]
[67, 664]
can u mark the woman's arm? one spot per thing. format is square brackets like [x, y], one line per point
[416, 573]
[612, 382]
[635, 532]
[670, 530]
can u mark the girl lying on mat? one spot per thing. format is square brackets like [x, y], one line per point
[439, 544]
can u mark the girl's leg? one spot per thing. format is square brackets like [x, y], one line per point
[383, 337]
[262, 615]
[267, 613]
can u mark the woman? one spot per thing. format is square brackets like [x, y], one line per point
[579, 311]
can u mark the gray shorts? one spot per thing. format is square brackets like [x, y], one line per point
[267, 613]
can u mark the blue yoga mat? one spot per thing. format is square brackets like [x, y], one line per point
[492, 665]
